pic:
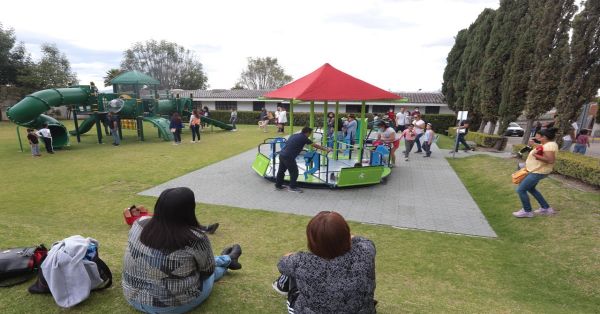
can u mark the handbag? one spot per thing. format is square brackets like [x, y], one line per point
[18, 265]
[519, 175]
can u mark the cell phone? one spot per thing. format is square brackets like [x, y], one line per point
[537, 141]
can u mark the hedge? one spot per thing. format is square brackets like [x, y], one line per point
[577, 166]
[482, 139]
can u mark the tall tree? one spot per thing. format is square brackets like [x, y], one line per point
[497, 53]
[171, 64]
[552, 25]
[110, 74]
[7, 69]
[581, 79]
[453, 63]
[263, 73]
[53, 70]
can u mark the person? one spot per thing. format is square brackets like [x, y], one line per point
[336, 275]
[415, 112]
[169, 266]
[569, 136]
[46, 136]
[287, 158]
[205, 114]
[133, 213]
[33, 143]
[281, 116]
[461, 133]
[233, 119]
[428, 139]
[263, 119]
[388, 135]
[582, 142]
[195, 121]
[419, 126]
[176, 126]
[391, 116]
[93, 89]
[350, 126]
[113, 125]
[539, 163]
[330, 125]
[409, 136]
[536, 127]
[402, 119]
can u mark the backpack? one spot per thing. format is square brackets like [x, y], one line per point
[18, 265]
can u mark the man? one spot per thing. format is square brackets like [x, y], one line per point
[402, 119]
[419, 130]
[46, 136]
[388, 135]
[113, 124]
[462, 131]
[287, 158]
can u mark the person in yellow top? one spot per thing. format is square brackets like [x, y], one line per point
[539, 163]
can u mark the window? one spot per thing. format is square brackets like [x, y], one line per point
[285, 106]
[381, 109]
[258, 105]
[225, 105]
[432, 110]
[356, 108]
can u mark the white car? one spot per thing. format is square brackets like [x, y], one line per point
[514, 129]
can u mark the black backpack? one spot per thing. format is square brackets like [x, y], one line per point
[18, 265]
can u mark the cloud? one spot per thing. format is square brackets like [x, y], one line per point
[371, 19]
[442, 42]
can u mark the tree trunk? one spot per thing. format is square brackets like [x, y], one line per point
[527, 131]
[482, 126]
[492, 127]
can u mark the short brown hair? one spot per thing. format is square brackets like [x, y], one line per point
[328, 235]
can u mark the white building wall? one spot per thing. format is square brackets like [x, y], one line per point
[244, 106]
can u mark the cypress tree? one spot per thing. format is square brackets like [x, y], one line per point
[550, 57]
[453, 62]
[581, 79]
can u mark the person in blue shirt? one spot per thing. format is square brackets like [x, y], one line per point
[287, 158]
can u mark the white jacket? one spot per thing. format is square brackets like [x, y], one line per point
[70, 277]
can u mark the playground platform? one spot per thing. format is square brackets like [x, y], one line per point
[423, 193]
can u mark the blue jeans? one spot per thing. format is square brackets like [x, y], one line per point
[461, 140]
[418, 142]
[221, 263]
[528, 185]
[115, 134]
[580, 149]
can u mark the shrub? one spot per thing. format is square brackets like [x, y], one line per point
[482, 139]
[251, 117]
[440, 122]
[584, 168]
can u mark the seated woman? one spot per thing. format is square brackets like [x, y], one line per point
[336, 276]
[133, 213]
[169, 265]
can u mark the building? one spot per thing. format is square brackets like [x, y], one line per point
[250, 100]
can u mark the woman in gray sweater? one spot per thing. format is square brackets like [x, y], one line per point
[336, 276]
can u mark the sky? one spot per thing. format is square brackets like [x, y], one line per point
[397, 45]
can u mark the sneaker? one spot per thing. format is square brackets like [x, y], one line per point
[297, 190]
[280, 188]
[418, 152]
[192, 141]
[544, 211]
[281, 285]
[523, 214]
[405, 159]
[210, 229]
[234, 253]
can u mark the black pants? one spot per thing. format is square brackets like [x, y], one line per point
[177, 135]
[195, 131]
[461, 139]
[48, 144]
[289, 164]
[426, 148]
[400, 128]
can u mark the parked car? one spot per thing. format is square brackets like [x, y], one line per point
[514, 129]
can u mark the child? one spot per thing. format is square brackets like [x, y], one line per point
[195, 125]
[409, 135]
[233, 119]
[46, 136]
[582, 141]
[34, 143]
[134, 213]
[428, 140]
[176, 126]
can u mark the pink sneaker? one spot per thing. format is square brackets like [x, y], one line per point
[523, 214]
[545, 211]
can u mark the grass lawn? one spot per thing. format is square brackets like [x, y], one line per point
[445, 141]
[543, 265]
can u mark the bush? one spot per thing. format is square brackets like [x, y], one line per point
[440, 122]
[482, 139]
[584, 168]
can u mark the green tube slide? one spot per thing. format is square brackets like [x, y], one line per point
[29, 111]
[86, 125]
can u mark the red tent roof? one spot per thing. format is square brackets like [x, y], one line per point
[331, 84]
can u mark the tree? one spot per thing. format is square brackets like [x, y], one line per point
[7, 69]
[110, 74]
[53, 70]
[553, 23]
[581, 79]
[171, 64]
[263, 73]
[453, 63]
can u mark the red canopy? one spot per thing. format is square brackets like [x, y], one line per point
[331, 84]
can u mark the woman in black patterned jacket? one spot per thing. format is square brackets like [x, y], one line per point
[336, 276]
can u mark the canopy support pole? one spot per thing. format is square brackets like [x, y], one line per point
[312, 120]
[291, 116]
[363, 127]
[335, 130]
[324, 128]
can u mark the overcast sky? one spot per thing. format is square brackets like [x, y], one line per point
[398, 45]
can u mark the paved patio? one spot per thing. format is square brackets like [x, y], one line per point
[423, 193]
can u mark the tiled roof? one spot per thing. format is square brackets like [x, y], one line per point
[418, 97]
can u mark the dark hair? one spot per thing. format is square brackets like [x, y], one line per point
[549, 133]
[175, 117]
[306, 130]
[351, 116]
[328, 235]
[171, 228]
[330, 113]
[381, 123]
[195, 113]
[583, 132]
[29, 130]
[45, 125]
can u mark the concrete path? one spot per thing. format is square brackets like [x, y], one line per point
[423, 193]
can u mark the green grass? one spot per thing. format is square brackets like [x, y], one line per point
[543, 265]
[445, 142]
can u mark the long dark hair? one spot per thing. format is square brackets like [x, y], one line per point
[176, 118]
[174, 219]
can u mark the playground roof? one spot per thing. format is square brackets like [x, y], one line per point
[331, 84]
[134, 77]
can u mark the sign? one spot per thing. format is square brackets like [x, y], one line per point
[462, 115]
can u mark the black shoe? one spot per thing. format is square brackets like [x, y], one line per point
[281, 188]
[297, 190]
[418, 152]
[234, 253]
[210, 229]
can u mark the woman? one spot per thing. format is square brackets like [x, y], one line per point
[388, 135]
[281, 116]
[263, 119]
[539, 163]
[195, 125]
[336, 276]
[330, 128]
[176, 126]
[169, 266]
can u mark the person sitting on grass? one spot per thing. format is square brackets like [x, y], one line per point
[133, 213]
[336, 276]
[169, 266]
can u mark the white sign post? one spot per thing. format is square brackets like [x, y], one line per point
[461, 116]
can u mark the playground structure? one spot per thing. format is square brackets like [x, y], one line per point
[348, 165]
[135, 97]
